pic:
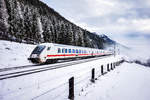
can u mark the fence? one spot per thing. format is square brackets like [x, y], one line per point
[110, 67]
[73, 86]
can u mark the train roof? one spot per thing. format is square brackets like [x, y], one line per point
[63, 45]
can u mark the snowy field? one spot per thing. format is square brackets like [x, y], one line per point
[52, 84]
[14, 54]
[125, 82]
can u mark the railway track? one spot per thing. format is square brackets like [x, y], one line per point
[35, 65]
[25, 70]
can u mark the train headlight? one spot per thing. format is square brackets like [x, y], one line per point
[34, 55]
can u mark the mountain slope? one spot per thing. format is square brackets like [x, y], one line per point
[32, 21]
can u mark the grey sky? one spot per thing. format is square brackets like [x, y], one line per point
[115, 18]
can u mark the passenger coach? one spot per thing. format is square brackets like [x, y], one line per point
[51, 52]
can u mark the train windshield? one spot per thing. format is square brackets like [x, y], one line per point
[38, 49]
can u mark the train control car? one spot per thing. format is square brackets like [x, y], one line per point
[51, 52]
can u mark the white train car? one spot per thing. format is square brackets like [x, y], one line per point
[51, 52]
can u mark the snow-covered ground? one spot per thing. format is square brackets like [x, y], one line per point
[52, 84]
[14, 54]
[125, 82]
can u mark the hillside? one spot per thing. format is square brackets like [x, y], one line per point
[33, 22]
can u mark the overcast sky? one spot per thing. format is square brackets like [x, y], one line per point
[115, 18]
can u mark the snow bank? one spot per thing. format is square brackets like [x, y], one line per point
[127, 82]
[14, 54]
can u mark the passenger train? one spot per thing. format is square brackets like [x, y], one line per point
[51, 52]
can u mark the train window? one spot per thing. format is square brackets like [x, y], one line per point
[63, 50]
[79, 51]
[38, 49]
[76, 50]
[48, 48]
[73, 51]
[59, 50]
[69, 50]
[66, 50]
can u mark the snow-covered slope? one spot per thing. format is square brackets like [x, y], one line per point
[14, 54]
[126, 82]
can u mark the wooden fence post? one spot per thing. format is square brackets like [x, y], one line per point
[114, 64]
[111, 66]
[71, 88]
[93, 75]
[102, 70]
[108, 67]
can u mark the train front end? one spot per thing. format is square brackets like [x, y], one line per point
[37, 55]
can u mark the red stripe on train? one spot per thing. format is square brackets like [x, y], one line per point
[71, 55]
